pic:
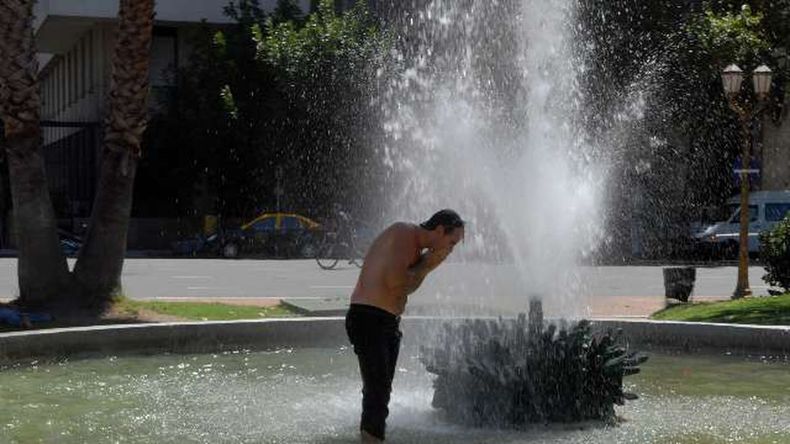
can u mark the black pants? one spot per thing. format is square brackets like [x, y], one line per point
[375, 336]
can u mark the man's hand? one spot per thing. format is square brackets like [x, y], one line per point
[427, 263]
[433, 258]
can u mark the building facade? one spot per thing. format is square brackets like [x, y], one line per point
[776, 150]
[75, 39]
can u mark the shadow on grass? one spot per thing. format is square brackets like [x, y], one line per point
[71, 317]
[126, 311]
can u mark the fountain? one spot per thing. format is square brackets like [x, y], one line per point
[487, 120]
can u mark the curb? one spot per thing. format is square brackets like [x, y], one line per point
[206, 337]
[296, 307]
[173, 337]
[692, 336]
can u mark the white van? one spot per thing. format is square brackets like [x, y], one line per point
[766, 208]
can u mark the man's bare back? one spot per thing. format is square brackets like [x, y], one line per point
[398, 261]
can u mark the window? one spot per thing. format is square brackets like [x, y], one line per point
[50, 94]
[164, 56]
[290, 223]
[164, 63]
[67, 75]
[77, 72]
[84, 66]
[62, 82]
[264, 224]
[736, 218]
[91, 63]
[42, 92]
[731, 208]
[775, 212]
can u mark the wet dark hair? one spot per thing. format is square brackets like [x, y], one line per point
[446, 218]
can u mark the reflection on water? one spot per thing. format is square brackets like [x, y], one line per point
[312, 395]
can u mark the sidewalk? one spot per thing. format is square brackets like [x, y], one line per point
[601, 307]
[12, 253]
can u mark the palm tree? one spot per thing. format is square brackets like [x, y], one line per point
[43, 272]
[100, 262]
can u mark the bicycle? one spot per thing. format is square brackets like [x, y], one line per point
[340, 244]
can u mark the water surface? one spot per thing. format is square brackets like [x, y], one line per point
[312, 396]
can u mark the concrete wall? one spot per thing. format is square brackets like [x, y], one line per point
[165, 10]
[74, 84]
[776, 153]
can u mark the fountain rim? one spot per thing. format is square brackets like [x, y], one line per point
[263, 334]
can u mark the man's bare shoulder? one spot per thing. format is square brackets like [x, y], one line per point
[400, 230]
[397, 233]
[402, 227]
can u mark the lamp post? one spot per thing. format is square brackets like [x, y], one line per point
[747, 109]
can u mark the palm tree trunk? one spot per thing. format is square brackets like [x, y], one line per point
[43, 272]
[99, 266]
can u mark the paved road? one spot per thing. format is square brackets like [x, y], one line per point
[602, 291]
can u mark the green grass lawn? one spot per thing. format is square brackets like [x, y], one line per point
[773, 310]
[124, 311]
[200, 311]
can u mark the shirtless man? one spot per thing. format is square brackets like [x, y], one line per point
[395, 266]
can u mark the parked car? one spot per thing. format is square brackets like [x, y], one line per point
[271, 234]
[196, 245]
[70, 243]
[766, 208]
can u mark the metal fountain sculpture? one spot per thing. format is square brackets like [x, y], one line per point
[511, 373]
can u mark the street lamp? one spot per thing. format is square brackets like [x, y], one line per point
[732, 77]
[747, 110]
[761, 77]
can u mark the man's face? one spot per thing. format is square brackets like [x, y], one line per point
[450, 240]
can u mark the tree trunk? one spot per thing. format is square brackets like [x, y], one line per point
[99, 266]
[43, 272]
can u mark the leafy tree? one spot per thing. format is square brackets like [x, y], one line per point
[665, 59]
[210, 145]
[327, 69]
[271, 93]
[730, 37]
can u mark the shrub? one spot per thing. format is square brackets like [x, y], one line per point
[775, 253]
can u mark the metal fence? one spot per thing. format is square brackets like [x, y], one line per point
[71, 162]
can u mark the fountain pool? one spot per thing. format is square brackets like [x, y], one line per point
[311, 395]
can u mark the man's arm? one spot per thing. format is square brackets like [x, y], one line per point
[428, 262]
